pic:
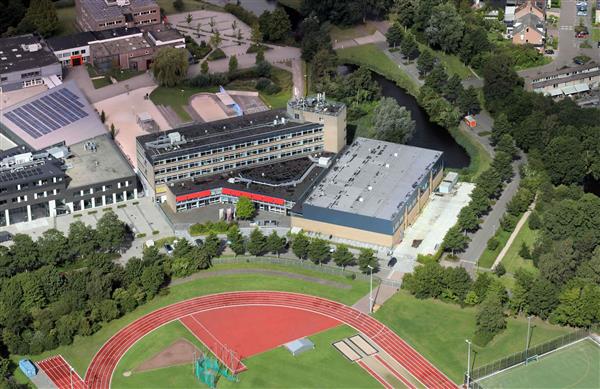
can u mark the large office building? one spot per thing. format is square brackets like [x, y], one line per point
[58, 180]
[372, 193]
[222, 147]
[25, 61]
[97, 15]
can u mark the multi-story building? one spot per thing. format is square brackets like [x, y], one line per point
[72, 50]
[58, 180]
[373, 192]
[566, 81]
[224, 146]
[97, 15]
[25, 61]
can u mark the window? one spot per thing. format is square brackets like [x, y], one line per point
[30, 74]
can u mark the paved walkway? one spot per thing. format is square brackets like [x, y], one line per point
[512, 237]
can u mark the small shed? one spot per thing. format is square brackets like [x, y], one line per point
[299, 346]
[448, 182]
[470, 120]
[27, 367]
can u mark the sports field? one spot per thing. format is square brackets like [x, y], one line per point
[575, 366]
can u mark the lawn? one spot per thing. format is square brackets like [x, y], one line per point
[373, 58]
[489, 256]
[480, 159]
[283, 78]
[596, 34]
[512, 260]
[100, 82]
[438, 331]
[322, 367]
[576, 366]
[177, 98]
[338, 33]
[452, 63]
[66, 19]
[80, 353]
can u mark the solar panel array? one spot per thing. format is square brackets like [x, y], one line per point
[48, 113]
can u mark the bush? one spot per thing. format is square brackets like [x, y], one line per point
[535, 223]
[499, 270]
[218, 227]
[263, 69]
[205, 80]
[241, 13]
[509, 222]
[272, 89]
[216, 54]
[254, 48]
[198, 51]
[262, 84]
[492, 244]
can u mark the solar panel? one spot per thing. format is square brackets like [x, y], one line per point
[49, 113]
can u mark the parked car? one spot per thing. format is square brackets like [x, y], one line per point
[392, 262]
[168, 248]
[549, 51]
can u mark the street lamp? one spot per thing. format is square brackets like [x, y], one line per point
[468, 363]
[371, 288]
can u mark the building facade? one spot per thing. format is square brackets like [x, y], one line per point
[206, 149]
[98, 15]
[566, 81]
[25, 61]
[72, 50]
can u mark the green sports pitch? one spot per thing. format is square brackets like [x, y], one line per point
[574, 366]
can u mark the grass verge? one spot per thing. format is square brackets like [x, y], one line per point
[512, 260]
[489, 256]
[480, 158]
[101, 82]
[438, 331]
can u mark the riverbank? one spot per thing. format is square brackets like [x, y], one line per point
[373, 58]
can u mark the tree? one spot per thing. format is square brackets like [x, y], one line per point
[151, 280]
[233, 64]
[110, 232]
[499, 270]
[300, 245]
[315, 36]
[468, 101]
[179, 5]
[237, 243]
[260, 56]
[324, 65]
[391, 122]
[257, 244]
[564, 160]
[437, 78]
[405, 11]
[453, 88]
[212, 245]
[245, 209]
[367, 258]
[276, 25]
[468, 219]
[409, 47]
[445, 28]
[189, 18]
[54, 246]
[426, 281]
[318, 251]
[501, 127]
[342, 256]
[102, 116]
[394, 35]
[455, 240]
[506, 144]
[24, 253]
[500, 79]
[579, 304]
[204, 67]
[216, 39]
[275, 243]
[542, 298]
[490, 320]
[82, 239]
[170, 66]
[425, 62]
[40, 17]
[256, 35]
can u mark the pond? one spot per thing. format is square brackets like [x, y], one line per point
[427, 134]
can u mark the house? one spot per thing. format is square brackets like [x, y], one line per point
[97, 15]
[26, 61]
[567, 81]
[529, 25]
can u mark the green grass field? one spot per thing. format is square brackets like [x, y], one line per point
[322, 367]
[438, 331]
[512, 260]
[373, 58]
[177, 97]
[81, 352]
[576, 366]
[596, 34]
[480, 158]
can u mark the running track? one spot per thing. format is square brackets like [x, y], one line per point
[59, 371]
[100, 371]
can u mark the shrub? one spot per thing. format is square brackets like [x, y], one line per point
[241, 13]
[272, 89]
[218, 227]
[216, 54]
[254, 48]
[508, 222]
[534, 221]
[492, 244]
[262, 84]
[500, 270]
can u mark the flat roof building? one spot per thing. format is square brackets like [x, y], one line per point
[60, 115]
[224, 146]
[25, 61]
[97, 15]
[372, 193]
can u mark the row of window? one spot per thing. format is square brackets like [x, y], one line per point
[146, 21]
[103, 188]
[244, 154]
[237, 165]
[23, 198]
[72, 53]
[239, 146]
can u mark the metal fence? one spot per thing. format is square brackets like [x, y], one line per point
[520, 357]
[334, 270]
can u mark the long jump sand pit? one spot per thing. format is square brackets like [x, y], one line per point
[207, 106]
[179, 352]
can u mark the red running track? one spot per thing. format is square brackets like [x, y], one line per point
[251, 330]
[99, 373]
[61, 373]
